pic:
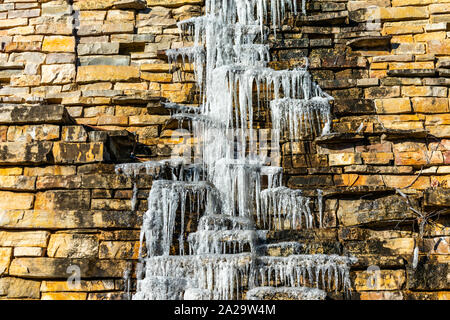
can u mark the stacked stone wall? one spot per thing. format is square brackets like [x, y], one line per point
[81, 86]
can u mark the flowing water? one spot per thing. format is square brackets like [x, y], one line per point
[234, 193]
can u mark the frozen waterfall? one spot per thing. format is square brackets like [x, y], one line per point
[234, 196]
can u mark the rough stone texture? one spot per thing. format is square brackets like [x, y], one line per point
[67, 95]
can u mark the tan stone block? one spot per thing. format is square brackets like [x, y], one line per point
[24, 80]
[381, 295]
[93, 4]
[64, 296]
[410, 181]
[156, 77]
[405, 38]
[33, 133]
[439, 47]
[24, 238]
[417, 91]
[145, 120]
[440, 131]
[85, 286]
[117, 27]
[380, 210]
[403, 29]
[378, 66]
[74, 134]
[400, 246]
[158, 67]
[410, 48]
[120, 15]
[377, 158]
[96, 15]
[131, 86]
[15, 153]
[393, 105]
[63, 200]
[10, 23]
[15, 288]
[56, 268]
[66, 219]
[111, 204]
[28, 252]
[344, 159]
[107, 120]
[379, 280]
[58, 73]
[411, 65]
[430, 105]
[172, 3]
[72, 245]
[50, 171]
[409, 146]
[79, 152]
[12, 200]
[17, 183]
[439, 8]
[58, 182]
[403, 3]
[424, 37]
[5, 259]
[401, 13]
[107, 73]
[419, 158]
[58, 44]
[401, 122]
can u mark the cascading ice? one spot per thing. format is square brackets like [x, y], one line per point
[233, 189]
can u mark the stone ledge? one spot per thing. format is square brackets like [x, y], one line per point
[56, 268]
[34, 114]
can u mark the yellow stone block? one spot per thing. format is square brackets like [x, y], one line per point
[58, 44]
[64, 296]
[393, 105]
[403, 13]
[344, 159]
[403, 3]
[424, 37]
[403, 29]
[156, 77]
[107, 73]
[12, 200]
[173, 3]
[93, 4]
[5, 259]
[377, 158]
[411, 65]
[430, 105]
[410, 181]
[402, 39]
[50, 171]
[379, 66]
[86, 286]
[13, 171]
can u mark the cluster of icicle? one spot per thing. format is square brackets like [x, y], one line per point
[223, 276]
[225, 191]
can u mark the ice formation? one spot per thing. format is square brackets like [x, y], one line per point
[234, 195]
